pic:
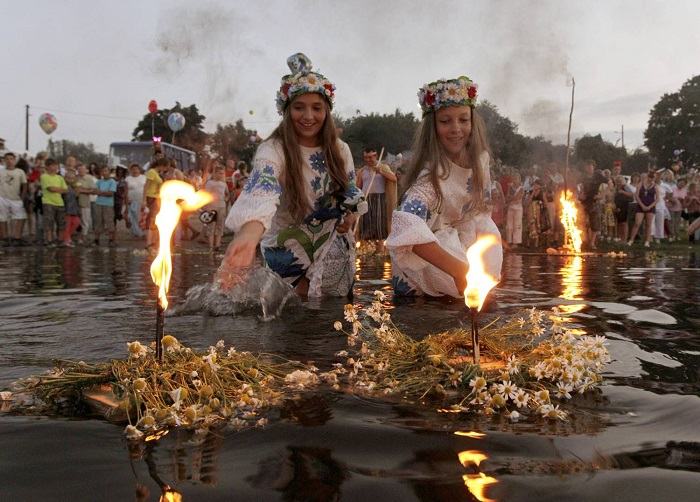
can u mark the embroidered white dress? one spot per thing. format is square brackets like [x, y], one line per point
[310, 248]
[455, 227]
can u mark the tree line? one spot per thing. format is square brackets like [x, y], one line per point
[672, 134]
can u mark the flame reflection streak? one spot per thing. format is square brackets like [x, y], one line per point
[175, 196]
[471, 457]
[479, 282]
[477, 483]
[471, 434]
[572, 280]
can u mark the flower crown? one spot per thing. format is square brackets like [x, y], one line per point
[301, 81]
[460, 91]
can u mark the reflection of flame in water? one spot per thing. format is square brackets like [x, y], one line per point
[569, 215]
[479, 282]
[571, 282]
[171, 193]
[471, 457]
[477, 483]
[470, 434]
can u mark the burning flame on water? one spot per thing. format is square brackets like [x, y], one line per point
[175, 196]
[479, 282]
[569, 215]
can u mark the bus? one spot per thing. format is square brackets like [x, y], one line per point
[126, 153]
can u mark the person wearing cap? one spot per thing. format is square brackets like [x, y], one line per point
[444, 206]
[13, 187]
[300, 200]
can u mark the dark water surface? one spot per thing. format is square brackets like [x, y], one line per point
[638, 440]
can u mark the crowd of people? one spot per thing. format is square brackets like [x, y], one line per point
[656, 206]
[47, 203]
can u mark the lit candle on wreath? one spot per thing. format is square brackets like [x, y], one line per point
[175, 196]
[479, 283]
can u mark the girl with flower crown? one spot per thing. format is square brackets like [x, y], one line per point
[445, 198]
[300, 199]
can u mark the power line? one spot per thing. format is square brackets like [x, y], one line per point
[113, 117]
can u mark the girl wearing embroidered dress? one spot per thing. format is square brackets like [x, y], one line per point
[300, 199]
[446, 192]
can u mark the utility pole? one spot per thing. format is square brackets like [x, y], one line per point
[623, 135]
[26, 127]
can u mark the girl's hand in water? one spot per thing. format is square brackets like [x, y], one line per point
[240, 255]
[347, 223]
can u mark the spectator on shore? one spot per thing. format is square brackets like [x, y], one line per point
[13, 187]
[647, 197]
[514, 213]
[72, 206]
[136, 182]
[85, 186]
[680, 192]
[662, 216]
[218, 188]
[151, 197]
[591, 182]
[53, 186]
[691, 206]
[622, 200]
[121, 196]
[104, 207]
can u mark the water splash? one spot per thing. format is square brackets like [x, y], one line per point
[259, 288]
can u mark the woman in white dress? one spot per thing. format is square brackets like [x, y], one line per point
[445, 203]
[300, 199]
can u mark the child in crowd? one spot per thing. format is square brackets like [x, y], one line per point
[104, 206]
[72, 210]
[52, 187]
[445, 196]
[218, 188]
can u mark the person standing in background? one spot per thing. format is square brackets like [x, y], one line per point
[104, 206]
[135, 182]
[52, 187]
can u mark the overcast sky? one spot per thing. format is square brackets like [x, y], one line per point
[96, 64]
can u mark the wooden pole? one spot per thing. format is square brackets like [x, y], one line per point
[568, 135]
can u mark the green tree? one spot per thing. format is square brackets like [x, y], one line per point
[508, 146]
[394, 132]
[84, 152]
[638, 162]
[674, 126]
[192, 136]
[234, 140]
[596, 148]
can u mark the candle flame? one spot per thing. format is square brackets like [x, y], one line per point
[174, 197]
[569, 215]
[479, 282]
[477, 483]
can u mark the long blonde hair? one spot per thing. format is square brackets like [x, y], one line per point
[427, 152]
[292, 179]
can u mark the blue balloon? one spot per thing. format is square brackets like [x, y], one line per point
[176, 121]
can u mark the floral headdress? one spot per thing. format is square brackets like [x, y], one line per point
[460, 91]
[301, 81]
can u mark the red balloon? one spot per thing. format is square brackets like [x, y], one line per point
[153, 106]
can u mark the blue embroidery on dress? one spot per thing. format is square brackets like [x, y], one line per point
[283, 262]
[417, 207]
[401, 287]
[263, 180]
[316, 184]
[318, 162]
